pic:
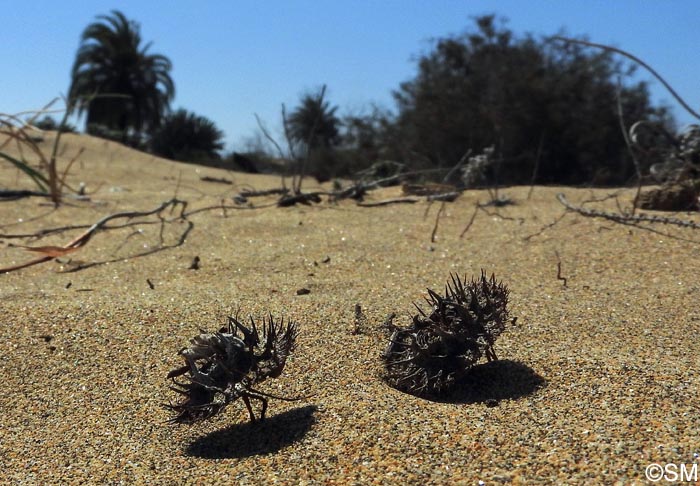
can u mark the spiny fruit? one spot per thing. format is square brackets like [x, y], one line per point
[435, 351]
[223, 366]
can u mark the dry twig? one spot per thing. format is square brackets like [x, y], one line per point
[638, 61]
[625, 135]
[437, 221]
[559, 277]
[471, 220]
[626, 218]
[51, 252]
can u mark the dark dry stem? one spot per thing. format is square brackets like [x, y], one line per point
[626, 218]
[559, 276]
[85, 237]
[546, 227]
[638, 61]
[628, 143]
[269, 137]
[437, 221]
[471, 220]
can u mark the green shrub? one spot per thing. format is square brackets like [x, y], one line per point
[188, 137]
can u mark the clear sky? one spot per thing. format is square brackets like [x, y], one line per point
[234, 58]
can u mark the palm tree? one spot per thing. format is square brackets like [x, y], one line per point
[313, 123]
[122, 87]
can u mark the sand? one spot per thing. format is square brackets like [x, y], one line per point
[597, 379]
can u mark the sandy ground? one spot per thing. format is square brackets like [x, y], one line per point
[597, 379]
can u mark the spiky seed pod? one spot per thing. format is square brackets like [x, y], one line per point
[223, 366]
[431, 355]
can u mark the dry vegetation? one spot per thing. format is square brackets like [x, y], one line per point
[596, 380]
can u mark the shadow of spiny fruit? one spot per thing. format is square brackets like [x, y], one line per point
[432, 354]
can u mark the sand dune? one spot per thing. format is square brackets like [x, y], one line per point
[596, 380]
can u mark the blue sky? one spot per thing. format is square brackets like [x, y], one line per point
[232, 59]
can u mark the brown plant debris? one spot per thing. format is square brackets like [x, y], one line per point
[428, 189]
[431, 355]
[223, 366]
[626, 218]
[218, 180]
[679, 196]
[51, 252]
[359, 320]
[559, 275]
[299, 198]
[195, 263]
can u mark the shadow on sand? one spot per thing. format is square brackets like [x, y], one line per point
[495, 381]
[252, 439]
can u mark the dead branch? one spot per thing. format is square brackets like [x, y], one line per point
[457, 166]
[180, 241]
[625, 136]
[267, 135]
[536, 168]
[288, 138]
[427, 189]
[56, 251]
[559, 277]
[437, 221]
[13, 195]
[274, 142]
[356, 192]
[267, 192]
[300, 198]
[626, 218]
[546, 227]
[386, 202]
[363, 187]
[471, 221]
[496, 214]
[218, 180]
[447, 196]
[638, 61]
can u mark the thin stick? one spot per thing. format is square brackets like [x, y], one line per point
[638, 61]
[274, 142]
[625, 135]
[546, 227]
[268, 136]
[437, 221]
[626, 218]
[559, 277]
[471, 221]
[83, 239]
[457, 166]
[386, 202]
[290, 144]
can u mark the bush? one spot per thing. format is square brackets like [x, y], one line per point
[49, 123]
[525, 97]
[188, 137]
